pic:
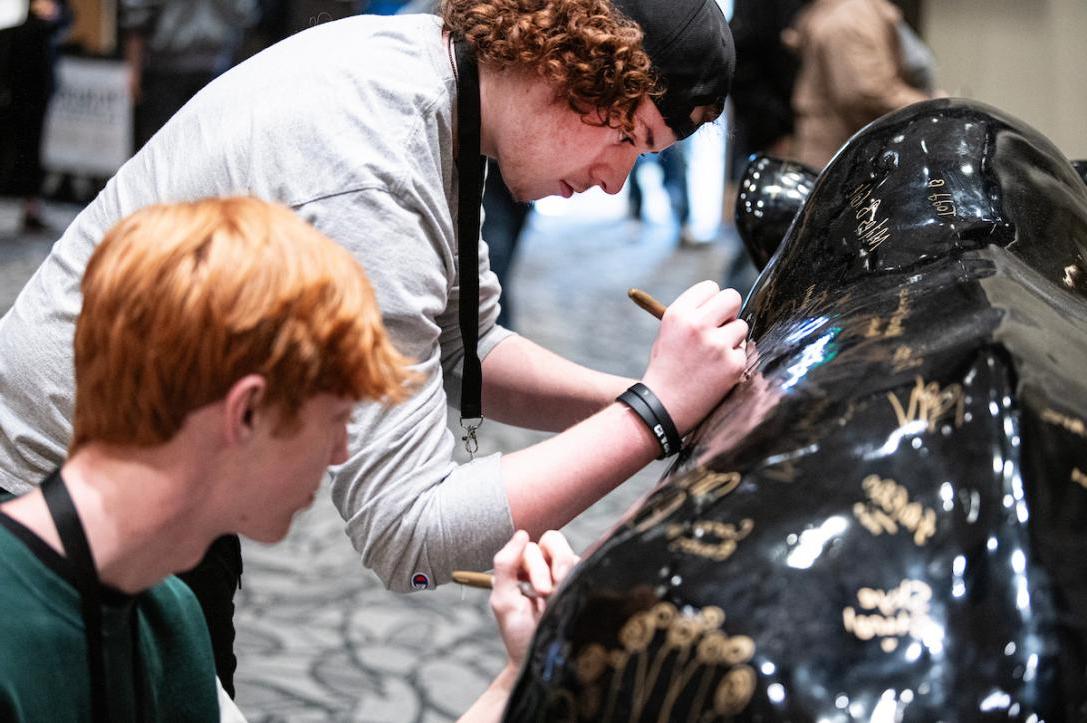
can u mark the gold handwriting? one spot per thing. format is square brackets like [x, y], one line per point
[783, 472]
[894, 613]
[904, 359]
[1078, 476]
[928, 403]
[871, 230]
[811, 298]
[727, 536]
[703, 484]
[690, 650]
[859, 195]
[894, 326]
[1073, 425]
[940, 200]
[889, 506]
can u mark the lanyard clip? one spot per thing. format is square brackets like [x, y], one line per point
[471, 444]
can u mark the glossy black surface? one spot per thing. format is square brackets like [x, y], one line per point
[886, 523]
[772, 192]
[1081, 169]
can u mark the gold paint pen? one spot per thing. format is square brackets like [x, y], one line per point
[647, 302]
[485, 581]
[657, 309]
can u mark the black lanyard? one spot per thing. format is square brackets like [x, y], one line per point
[78, 553]
[469, 198]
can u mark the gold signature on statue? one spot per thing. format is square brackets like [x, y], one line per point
[904, 359]
[871, 230]
[1078, 476]
[812, 299]
[895, 614]
[928, 403]
[783, 472]
[1073, 425]
[894, 325]
[889, 506]
[709, 538]
[667, 652]
[940, 200]
[701, 485]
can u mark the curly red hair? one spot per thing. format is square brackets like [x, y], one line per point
[586, 49]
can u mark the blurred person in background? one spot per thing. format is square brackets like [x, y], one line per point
[27, 79]
[176, 47]
[504, 221]
[852, 71]
[673, 165]
[762, 111]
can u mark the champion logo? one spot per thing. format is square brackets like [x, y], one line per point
[419, 581]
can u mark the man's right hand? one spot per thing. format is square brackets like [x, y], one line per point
[699, 353]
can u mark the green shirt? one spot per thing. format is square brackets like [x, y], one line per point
[158, 654]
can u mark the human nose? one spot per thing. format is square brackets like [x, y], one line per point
[612, 176]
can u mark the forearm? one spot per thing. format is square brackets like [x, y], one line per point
[490, 706]
[697, 358]
[550, 483]
[528, 386]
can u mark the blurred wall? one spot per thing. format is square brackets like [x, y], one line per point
[1027, 57]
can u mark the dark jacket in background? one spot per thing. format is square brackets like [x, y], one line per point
[765, 73]
[27, 65]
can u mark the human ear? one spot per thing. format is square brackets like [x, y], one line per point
[241, 407]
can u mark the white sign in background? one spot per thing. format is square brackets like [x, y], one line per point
[88, 129]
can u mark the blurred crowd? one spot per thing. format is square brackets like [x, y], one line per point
[809, 74]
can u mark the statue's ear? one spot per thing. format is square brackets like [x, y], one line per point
[772, 193]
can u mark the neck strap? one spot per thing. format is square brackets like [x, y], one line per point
[470, 197]
[74, 541]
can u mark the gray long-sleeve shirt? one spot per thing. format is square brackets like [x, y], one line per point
[349, 123]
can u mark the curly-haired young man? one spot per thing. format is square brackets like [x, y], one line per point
[354, 125]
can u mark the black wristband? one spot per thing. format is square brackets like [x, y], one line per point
[645, 404]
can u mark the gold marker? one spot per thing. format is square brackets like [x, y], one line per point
[657, 309]
[647, 302]
[485, 581]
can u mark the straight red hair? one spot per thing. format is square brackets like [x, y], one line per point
[180, 301]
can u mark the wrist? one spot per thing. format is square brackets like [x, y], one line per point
[507, 677]
[654, 415]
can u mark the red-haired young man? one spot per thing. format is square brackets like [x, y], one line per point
[216, 368]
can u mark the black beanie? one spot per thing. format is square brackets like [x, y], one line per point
[690, 46]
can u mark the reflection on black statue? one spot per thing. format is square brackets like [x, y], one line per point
[887, 522]
[1081, 169]
[772, 192]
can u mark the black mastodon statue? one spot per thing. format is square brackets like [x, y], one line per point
[888, 520]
